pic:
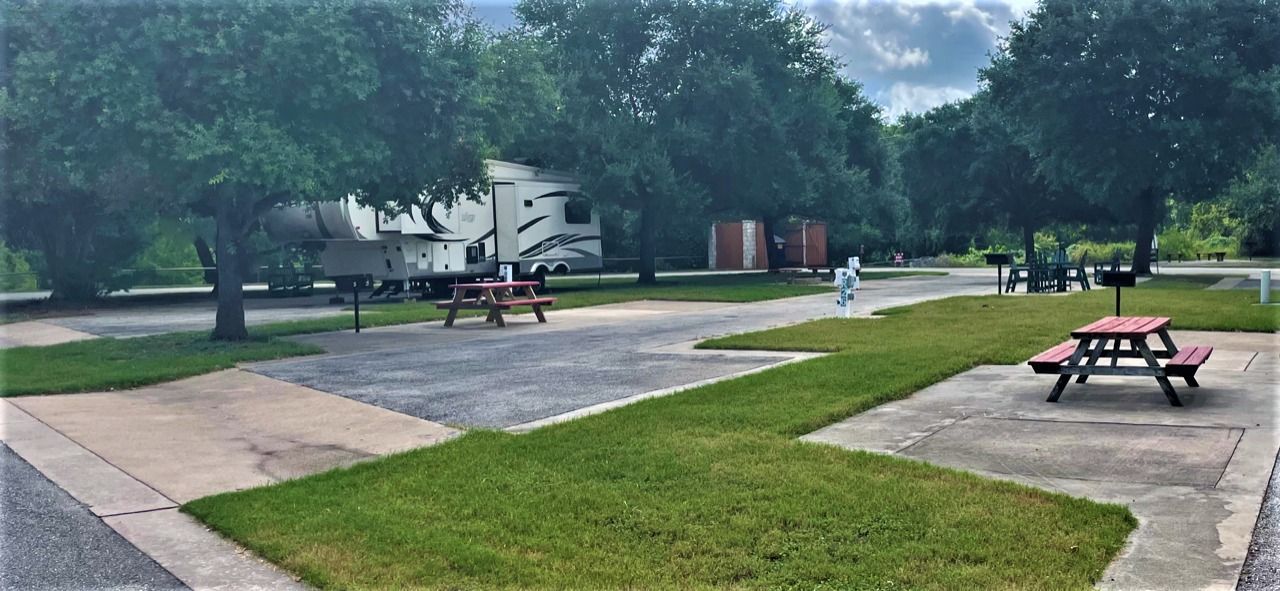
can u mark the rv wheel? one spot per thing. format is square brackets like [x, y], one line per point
[541, 277]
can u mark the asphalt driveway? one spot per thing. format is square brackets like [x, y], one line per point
[48, 540]
[477, 375]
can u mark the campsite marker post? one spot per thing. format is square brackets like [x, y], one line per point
[847, 280]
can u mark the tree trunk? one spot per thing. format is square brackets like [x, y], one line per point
[648, 243]
[1148, 209]
[207, 261]
[1029, 242]
[229, 325]
[71, 273]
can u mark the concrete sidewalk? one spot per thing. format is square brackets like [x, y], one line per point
[132, 457]
[226, 431]
[1194, 476]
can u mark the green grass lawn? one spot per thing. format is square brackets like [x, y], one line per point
[108, 364]
[1189, 305]
[711, 488]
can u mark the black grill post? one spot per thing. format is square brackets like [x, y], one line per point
[999, 259]
[355, 296]
[1119, 279]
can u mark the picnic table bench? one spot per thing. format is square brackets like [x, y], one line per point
[1080, 358]
[1220, 255]
[494, 296]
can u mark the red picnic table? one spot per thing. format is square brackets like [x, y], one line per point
[1080, 358]
[494, 296]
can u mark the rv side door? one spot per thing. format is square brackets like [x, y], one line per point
[506, 235]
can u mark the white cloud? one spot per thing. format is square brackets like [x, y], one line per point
[965, 11]
[902, 98]
[889, 55]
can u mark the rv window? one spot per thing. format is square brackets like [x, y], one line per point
[577, 211]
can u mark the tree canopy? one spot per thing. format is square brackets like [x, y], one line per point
[1133, 102]
[259, 104]
[75, 185]
[730, 107]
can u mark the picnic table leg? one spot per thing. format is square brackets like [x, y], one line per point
[453, 308]
[1093, 358]
[1065, 378]
[537, 308]
[1168, 341]
[1172, 349]
[1141, 346]
[494, 311]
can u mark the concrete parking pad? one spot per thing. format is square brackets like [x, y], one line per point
[227, 431]
[37, 333]
[1150, 454]
[1194, 476]
[50, 541]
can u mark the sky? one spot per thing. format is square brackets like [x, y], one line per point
[910, 55]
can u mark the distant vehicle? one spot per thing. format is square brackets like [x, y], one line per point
[533, 219]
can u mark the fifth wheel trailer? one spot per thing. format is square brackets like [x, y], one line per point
[532, 219]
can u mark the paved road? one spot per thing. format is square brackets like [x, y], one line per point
[490, 377]
[50, 541]
[158, 319]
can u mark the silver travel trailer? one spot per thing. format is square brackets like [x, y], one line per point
[533, 219]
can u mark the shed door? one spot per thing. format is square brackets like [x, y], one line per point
[506, 207]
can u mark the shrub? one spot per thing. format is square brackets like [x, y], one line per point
[15, 271]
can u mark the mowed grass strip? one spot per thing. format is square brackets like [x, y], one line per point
[1022, 319]
[578, 292]
[110, 364]
[710, 488]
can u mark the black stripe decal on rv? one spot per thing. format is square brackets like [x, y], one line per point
[530, 224]
[580, 239]
[434, 238]
[483, 238]
[552, 194]
[543, 246]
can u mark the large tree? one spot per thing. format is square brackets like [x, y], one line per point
[765, 125]
[73, 184]
[673, 106]
[1254, 197]
[934, 149]
[260, 104]
[967, 172]
[1135, 102]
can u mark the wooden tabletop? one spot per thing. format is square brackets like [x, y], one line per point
[495, 285]
[1122, 326]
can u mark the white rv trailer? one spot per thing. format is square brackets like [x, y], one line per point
[533, 219]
